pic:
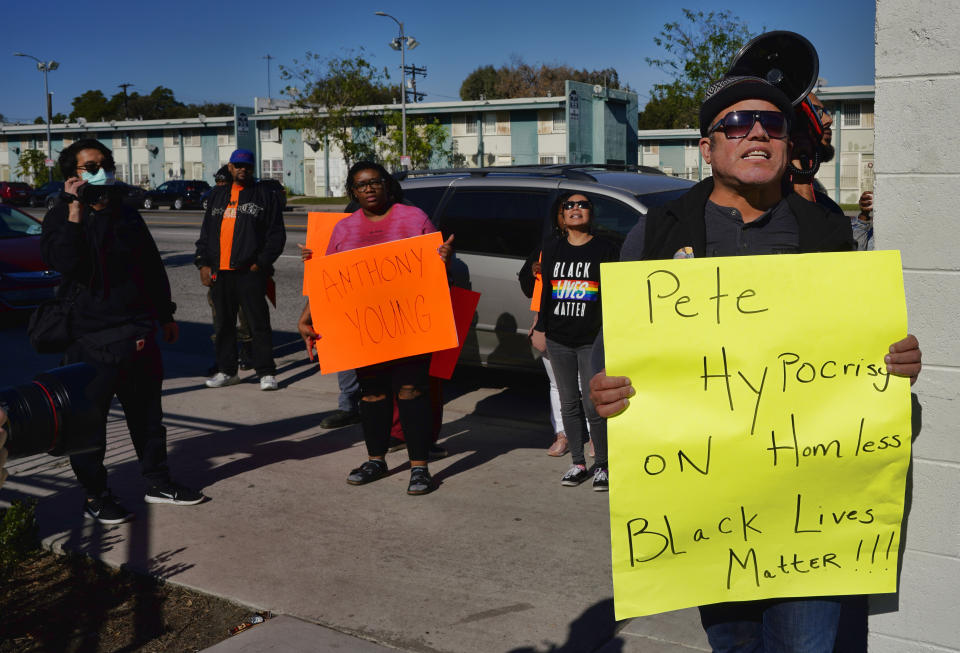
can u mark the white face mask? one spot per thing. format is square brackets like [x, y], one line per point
[102, 178]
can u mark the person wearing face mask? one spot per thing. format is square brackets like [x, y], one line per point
[241, 236]
[116, 282]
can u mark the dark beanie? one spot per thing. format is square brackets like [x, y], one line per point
[730, 90]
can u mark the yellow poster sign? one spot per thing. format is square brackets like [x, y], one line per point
[765, 451]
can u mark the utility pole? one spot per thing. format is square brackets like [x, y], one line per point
[268, 58]
[125, 86]
[413, 71]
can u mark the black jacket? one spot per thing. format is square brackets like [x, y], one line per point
[111, 263]
[680, 223]
[258, 235]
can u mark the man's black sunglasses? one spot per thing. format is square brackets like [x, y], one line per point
[738, 124]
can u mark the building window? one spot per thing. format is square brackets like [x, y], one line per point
[225, 136]
[138, 139]
[851, 114]
[141, 175]
[172, 140]
[648, 148]
[559, 121]
[3, 145]
[269, 132]
[549, 159]
[465, 124]
[191, 138]
[272, 169]
[490, 123]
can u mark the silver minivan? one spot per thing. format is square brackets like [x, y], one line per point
[499, 216]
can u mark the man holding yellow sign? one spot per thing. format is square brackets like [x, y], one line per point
[745, 447]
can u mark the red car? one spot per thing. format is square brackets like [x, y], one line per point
[15, 192]
[25, 280]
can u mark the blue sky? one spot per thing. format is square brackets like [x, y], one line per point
[208, 51]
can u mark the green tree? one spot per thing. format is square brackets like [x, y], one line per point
[427, 143]
[91, 105]
[326, 93]
[520, 79]
[697, 52]
[481, 83]
[32, 164]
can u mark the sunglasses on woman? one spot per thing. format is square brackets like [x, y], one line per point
[579, 204]
[737, 124]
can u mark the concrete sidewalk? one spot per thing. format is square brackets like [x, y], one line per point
[500, 558]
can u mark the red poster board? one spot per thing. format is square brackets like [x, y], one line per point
[464, 306]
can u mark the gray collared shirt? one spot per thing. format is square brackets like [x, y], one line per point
[774, 232]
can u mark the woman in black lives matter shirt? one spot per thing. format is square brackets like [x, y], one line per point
[569, 321]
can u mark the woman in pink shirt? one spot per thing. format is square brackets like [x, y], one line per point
[383, 218]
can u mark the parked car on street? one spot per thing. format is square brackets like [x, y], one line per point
[177, 193]
[38, 196]
[499, 217]
[15, 192]
[25, 280]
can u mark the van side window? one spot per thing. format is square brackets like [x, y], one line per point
[498, 222]
[609, 215]
[425, 199]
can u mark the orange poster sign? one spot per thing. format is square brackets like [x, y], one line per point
[537, 289]
[380, 303]
[320, 226]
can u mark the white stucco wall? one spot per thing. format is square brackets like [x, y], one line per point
[917, 175]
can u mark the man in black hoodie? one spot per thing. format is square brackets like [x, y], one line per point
[115, 278]
[741, 210]
[242, 235]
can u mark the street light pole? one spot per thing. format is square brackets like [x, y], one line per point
[44, 67]
[401, 44]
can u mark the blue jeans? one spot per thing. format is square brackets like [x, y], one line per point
[349, 391]
[807, 625]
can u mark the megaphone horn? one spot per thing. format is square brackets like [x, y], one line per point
[785, 59]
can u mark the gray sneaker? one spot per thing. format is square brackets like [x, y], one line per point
[221, 380]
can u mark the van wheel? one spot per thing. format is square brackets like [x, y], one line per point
[147, 203]
[178, 203]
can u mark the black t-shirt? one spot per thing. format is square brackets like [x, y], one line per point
[570, 302]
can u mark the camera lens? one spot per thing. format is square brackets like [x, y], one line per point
[53, 414]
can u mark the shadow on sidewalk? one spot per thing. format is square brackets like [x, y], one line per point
[593, 629]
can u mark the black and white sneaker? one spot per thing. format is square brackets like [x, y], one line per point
[576, 475]
[601, 480]
[106, 510]
[174, 494]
